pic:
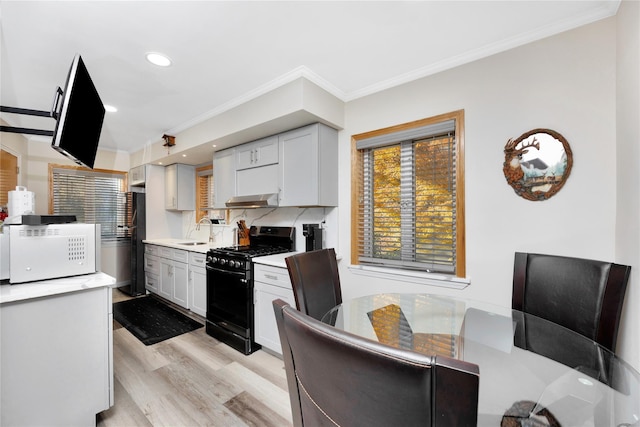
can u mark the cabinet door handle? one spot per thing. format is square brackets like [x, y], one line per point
[271, 276]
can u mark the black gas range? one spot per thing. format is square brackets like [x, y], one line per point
[230, 315]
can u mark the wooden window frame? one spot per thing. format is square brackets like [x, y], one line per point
[202, 213]
[52, 167]
[357, 180]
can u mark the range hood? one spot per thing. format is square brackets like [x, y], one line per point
[255, 201]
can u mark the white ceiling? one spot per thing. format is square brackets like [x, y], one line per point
[228, 52]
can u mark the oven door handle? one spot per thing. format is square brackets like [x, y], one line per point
[227, 272]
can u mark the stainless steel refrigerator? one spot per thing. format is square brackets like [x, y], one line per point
[134, 228]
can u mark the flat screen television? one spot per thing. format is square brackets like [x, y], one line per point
[79, 118]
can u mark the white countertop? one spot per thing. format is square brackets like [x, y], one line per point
[44, 288]
[276, 260]
[176, 244]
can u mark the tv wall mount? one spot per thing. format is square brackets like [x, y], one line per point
[40, 113]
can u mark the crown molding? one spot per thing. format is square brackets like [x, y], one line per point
[605, 10]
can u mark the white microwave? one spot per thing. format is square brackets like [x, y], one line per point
[42, 252]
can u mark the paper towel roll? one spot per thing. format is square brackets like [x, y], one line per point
[21, 202]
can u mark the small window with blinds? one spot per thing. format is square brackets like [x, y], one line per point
[93, 196]
[409, 205]
[204, 194]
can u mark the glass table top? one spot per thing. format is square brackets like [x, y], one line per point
[532, 371]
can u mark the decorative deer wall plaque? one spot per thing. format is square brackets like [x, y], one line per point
[537, 164]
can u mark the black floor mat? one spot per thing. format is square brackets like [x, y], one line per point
[152, 321]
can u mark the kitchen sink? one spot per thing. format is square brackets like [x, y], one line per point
[192, 243]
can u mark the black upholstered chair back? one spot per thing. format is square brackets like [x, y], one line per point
[583, 295]
[315, 280]
[337, 378]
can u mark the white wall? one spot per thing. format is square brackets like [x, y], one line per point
[566, 83]
[628, 163]
[40, 155]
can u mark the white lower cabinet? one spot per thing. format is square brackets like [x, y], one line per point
[198, 283]
[152, 268]
[166, 273]
[180, 283]
[270, 283]
[177, 275]
[56, 357]
[166, 278]
[152, 282]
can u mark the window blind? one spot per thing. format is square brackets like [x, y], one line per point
[408, 204]
[444, 127]
[204, 188]
[204, 194]
[93, 197]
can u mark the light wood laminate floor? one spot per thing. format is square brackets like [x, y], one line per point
[194, 380]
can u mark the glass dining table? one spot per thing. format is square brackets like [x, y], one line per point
[532, 372]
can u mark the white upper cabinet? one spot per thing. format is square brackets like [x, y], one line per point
[180, 187]
[301, 166]
[257, 153]
[224, 177]
[309, 166]
[137, 176]
[257, 167]
[259, 180]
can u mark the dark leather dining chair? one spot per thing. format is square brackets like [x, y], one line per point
[583, 295]
[315, 281]
[337, 378]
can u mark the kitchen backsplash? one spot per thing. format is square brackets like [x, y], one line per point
[288, 217]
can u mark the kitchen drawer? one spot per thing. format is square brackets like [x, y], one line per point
[152, 282]
[152, 249]
[151, 264]
[275, 276]
[197, 259]
[165, 251]
[179, 255]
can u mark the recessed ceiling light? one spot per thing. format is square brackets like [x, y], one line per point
[110, 108]
[184, 155]
[158, 59]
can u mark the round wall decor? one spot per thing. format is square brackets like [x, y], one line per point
[537, 164]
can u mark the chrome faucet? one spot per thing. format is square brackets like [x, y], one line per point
[206, 218]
